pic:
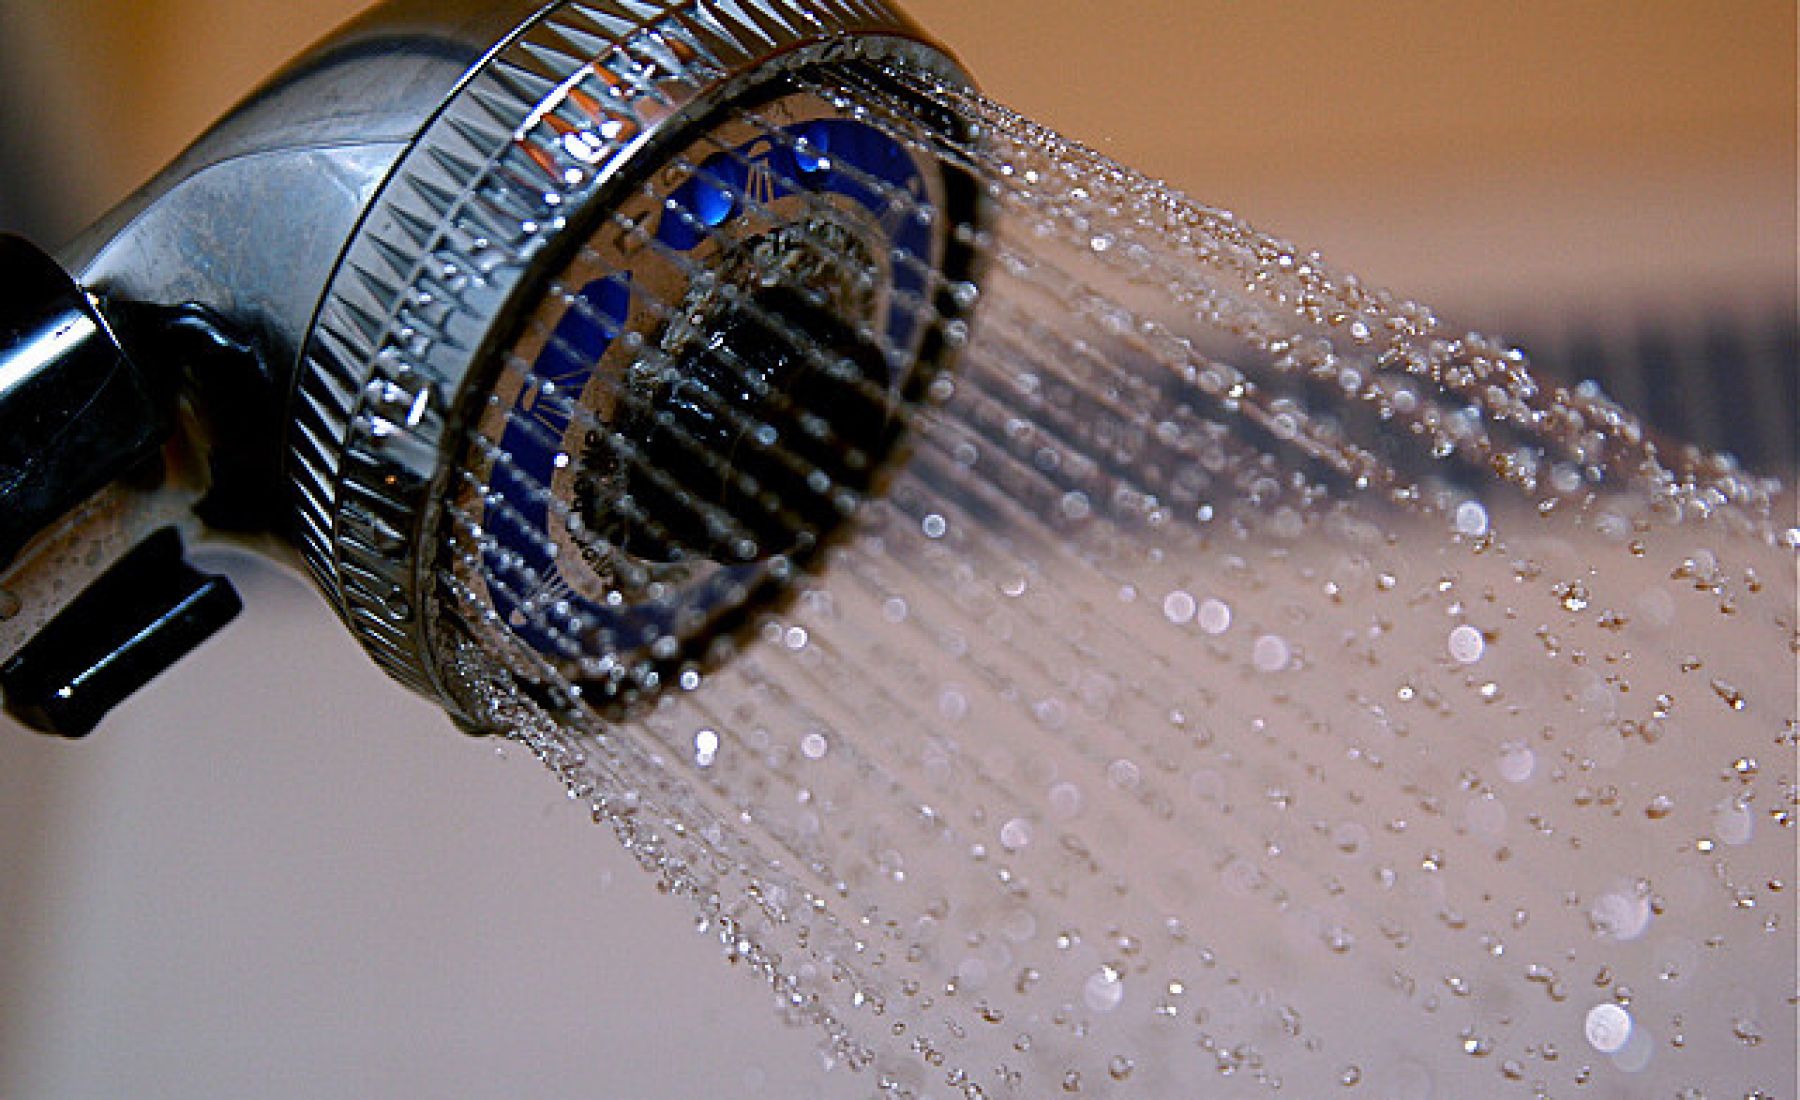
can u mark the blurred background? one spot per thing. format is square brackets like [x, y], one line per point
[277, 876]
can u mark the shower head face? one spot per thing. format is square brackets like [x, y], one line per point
[701, 394]
[698, 397]
[624, 341]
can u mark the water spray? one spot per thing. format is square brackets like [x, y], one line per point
[1062, 639]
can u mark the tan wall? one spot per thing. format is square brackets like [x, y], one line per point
[1462, 151]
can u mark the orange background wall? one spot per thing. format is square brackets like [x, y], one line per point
[1466, 152]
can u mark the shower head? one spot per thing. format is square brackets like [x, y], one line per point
[621, 297]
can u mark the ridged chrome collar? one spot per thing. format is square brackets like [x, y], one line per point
[492, 180]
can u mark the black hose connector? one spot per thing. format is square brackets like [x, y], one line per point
[147, 612]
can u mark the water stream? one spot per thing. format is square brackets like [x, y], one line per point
[1204, 675]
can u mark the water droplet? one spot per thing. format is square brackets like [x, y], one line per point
[953, 705]
[1180, 608]
[1471, 519]
[713, 202]
[1517, 763]
[706, 748]
[1271, 653]
[1105, 989]
[1608, 1028]
[1728, 694]
[1733, 823]
[1015, 835]
[1124, 775]
[1467, 645]
[1620, 916]
[1573, 596]
[1215, 617]
[1746, 1031]
[811, 149]
[1639, 1051]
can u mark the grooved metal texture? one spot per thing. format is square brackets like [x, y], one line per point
[576, 100]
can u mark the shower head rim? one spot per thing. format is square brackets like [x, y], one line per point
[383, 377]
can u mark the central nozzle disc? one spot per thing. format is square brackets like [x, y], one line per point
[764, 409]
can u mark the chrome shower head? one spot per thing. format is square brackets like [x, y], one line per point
[647, 267]
[639, 255]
